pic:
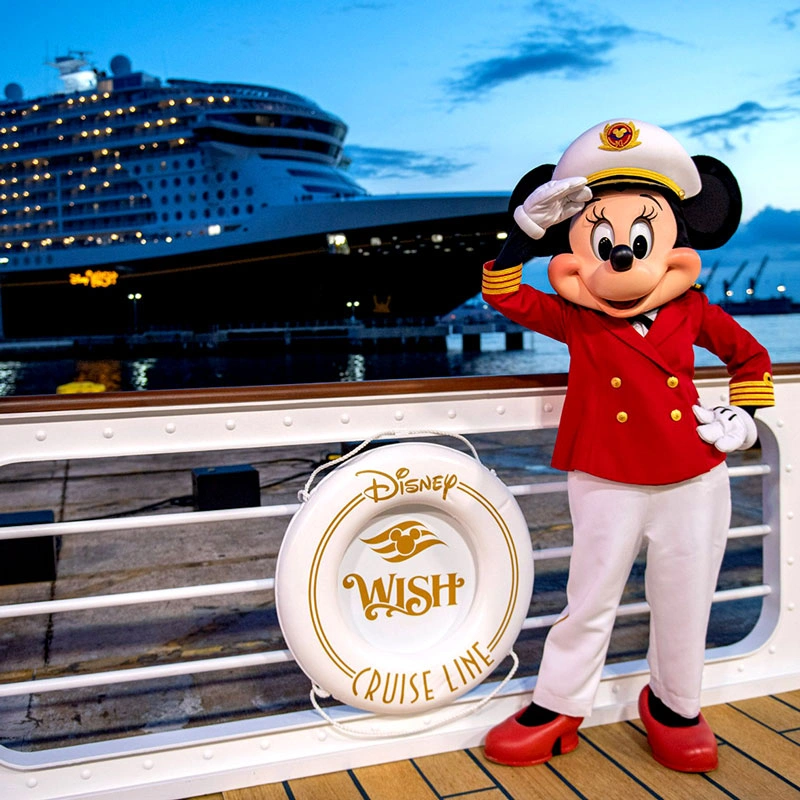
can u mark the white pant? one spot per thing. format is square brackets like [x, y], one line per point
[685, 526]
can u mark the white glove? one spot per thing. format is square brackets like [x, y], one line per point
[728, 428]
[551, 203]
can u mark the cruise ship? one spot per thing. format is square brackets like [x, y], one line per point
[128, 203]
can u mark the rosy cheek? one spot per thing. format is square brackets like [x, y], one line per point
[566, 273]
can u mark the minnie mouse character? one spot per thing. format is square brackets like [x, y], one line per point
[623, 214]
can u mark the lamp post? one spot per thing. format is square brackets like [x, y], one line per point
[352, 305]
[135, 297]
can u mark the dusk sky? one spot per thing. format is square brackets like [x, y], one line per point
[469, 95]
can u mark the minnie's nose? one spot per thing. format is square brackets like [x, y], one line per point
[621, 258]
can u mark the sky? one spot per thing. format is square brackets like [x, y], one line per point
[445, 96]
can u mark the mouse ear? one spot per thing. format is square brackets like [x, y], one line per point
[556, 238]
[712, 216]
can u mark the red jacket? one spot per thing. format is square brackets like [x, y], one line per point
[628, 410]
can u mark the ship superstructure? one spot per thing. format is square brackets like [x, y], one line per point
[121, 184]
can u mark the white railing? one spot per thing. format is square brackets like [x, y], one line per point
[276, 747]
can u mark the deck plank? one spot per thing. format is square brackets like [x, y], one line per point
[626, 743]
[453, 773]
[773, 752]
[397, 779]
[532, 783]
[759, 758]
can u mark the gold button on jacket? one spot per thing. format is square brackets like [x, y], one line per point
[672, 381]
[676, 415]
[622, 416]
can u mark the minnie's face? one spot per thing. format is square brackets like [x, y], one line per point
[623, 260]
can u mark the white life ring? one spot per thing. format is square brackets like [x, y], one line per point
[405, 578]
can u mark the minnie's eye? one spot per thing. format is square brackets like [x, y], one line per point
[641, 238]
[602, 240]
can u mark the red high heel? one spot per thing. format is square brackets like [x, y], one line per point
[692, 749]
[517, 745]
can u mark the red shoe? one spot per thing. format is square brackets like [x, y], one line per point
[517, 745]
[692, 749]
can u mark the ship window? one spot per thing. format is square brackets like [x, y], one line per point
[234, 175]
[178, 215]
[235, 210]
[205, 195]
[221, 212]
[164, 217]
[191, 180]
[206, 212]
[249, 209]
[163, 183]
[190, 162]
[176, 164]
[137, 170]
[192, 214]
[177, 181]
[249, 191]
[234, 192]
[178, 198]
[220, 195]
[164, 200]
[220, 177]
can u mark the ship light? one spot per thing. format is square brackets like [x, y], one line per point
[337, 243]
[4, 259]
[34, 108]
[748, 290]
[214, 230]
[781, 288]
[729, 293]
[375, 241]
[437, 238]
[502, 235]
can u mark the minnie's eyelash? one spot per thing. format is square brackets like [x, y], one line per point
[597, 216]
[648, 214]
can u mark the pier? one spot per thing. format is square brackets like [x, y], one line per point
[458, 337]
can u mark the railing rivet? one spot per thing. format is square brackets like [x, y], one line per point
[780, 423]
[170, 427]
[790, 560]
[740, 668]
[32, 783]
[264, 745]
[230, 425]
[501, 410]
[41, 436]
[86, 774]
[322, 736]
[287, 422]
[790, 606]
[772, 650]
[548, 407]
[788, 467]
[451, 412]
[790, 515]
[208, 754]
[345, 418]
[398, 415]
[108, 433]
[148, 763]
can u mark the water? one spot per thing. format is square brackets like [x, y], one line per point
[779, 333]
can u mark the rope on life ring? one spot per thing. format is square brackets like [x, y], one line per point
[404, 579]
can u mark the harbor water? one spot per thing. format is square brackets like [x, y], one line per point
[780, 333]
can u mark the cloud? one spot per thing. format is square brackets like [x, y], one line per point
[789, 19]
[378, 162]
[554, 47]
[741, 119]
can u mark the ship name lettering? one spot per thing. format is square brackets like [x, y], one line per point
[413, 596]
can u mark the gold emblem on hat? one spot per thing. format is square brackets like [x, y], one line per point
[619, 136]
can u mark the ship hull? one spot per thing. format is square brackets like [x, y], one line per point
[401, 262]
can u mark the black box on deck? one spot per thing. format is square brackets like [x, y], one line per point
[234, 486]
[27, 560]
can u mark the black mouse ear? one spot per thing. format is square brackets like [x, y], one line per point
[713, 215]
[556, 238]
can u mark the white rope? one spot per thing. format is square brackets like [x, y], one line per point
[305, 492]
[375, 733]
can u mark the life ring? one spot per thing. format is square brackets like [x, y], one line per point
[404, 579]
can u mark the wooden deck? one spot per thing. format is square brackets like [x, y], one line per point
[759, 754]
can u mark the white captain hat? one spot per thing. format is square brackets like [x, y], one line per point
[630, 151]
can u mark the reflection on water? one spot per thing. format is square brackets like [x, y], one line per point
[356, 369]
[779, 333]
[9, 371]
[139, 370]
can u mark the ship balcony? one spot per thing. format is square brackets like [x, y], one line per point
[101, 612]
